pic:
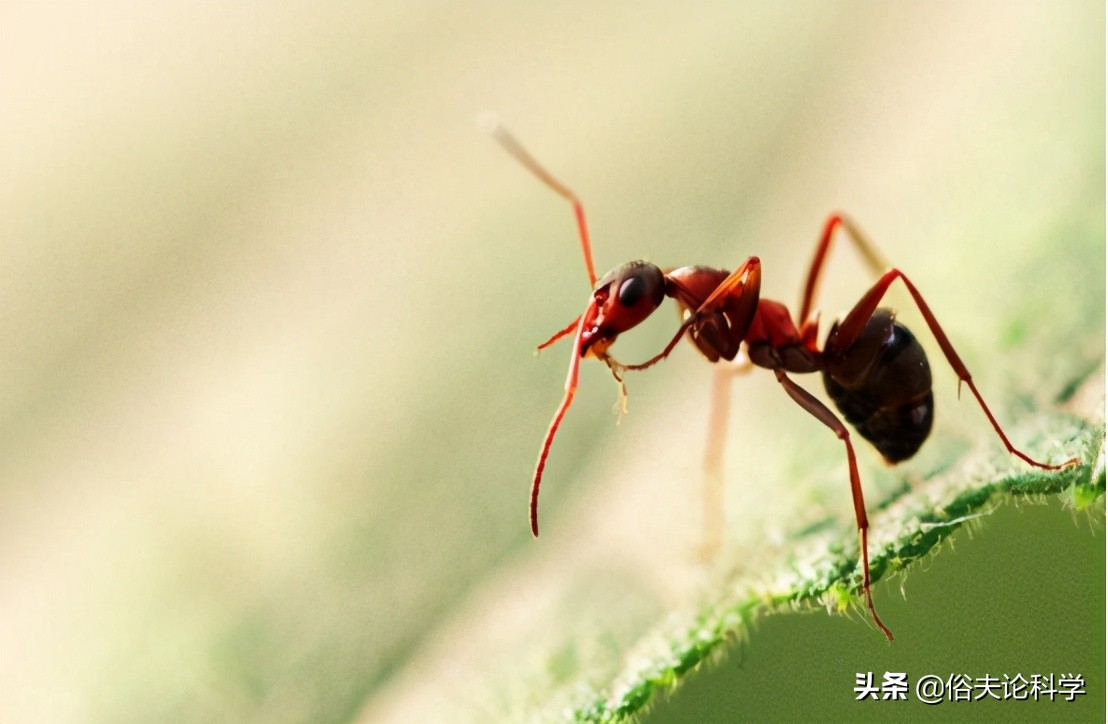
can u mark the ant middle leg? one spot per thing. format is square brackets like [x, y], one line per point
[819, 411]
[712, 485]
[873, 258]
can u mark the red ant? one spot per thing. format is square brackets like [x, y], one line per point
[874, 369]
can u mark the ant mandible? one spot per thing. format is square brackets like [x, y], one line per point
[874, 369]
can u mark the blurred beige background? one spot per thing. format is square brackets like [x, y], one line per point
[269, 409]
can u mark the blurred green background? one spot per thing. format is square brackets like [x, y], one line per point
[268, 299]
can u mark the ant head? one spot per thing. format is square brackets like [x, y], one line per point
[622, 298]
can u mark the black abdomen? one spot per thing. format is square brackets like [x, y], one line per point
[882, 385]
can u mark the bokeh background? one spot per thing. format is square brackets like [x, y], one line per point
[269, 409]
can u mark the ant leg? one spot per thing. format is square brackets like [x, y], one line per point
[567, 330]
[665, 352]
[855, 321]
[712, 484]
[504, 137]
[819, 411]
[745, 281]
[869, 252]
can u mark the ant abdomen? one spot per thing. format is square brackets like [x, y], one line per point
[882, 385]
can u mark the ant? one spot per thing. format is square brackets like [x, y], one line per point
[873, 368]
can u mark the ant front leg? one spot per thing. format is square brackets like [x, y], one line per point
[715, 302]
[565, 331]
[852, 325]
[819, 411]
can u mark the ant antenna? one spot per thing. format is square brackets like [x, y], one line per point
[490, 123]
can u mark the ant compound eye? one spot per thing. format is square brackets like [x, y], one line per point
[643, 284]
[637, 287]
[631, 291]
